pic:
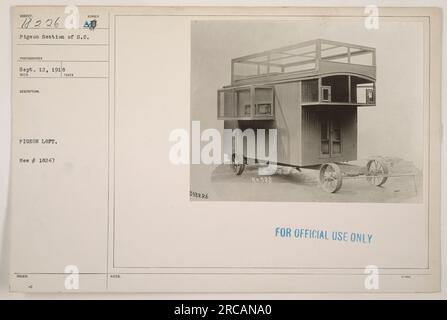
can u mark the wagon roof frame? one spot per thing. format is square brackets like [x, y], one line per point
[302, 78]
[316, 57]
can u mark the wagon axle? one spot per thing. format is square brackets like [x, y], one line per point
[330, 174]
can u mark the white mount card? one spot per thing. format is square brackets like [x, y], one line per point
[225, 149]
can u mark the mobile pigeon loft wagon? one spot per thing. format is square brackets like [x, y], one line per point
[310, 92]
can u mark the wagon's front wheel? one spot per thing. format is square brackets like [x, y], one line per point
[330, 177]
[237, 164]
[376, 172]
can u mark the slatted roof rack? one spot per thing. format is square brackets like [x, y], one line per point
[302, 59]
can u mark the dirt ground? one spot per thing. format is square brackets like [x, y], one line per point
[288, 184]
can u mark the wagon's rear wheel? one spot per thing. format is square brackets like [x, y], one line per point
[237, 164]
[330, 177]
[376, 172]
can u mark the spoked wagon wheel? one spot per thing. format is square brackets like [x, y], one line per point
[239, 165]
[330, 177]
[376, 172]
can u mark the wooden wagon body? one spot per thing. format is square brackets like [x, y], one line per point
[309, 92]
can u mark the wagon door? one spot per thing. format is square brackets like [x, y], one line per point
[330, 140]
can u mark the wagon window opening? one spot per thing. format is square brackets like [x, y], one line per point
[339, 88]
[243, 103]
[326, 93]
[247, 103]
[226, 104]
[362, 91]
[309, 91]
[263, 101]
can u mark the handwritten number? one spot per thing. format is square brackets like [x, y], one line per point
[26, 22]
[49, 22]
[56, 22]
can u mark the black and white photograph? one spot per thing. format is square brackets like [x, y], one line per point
[322, 111]
[229, 152]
